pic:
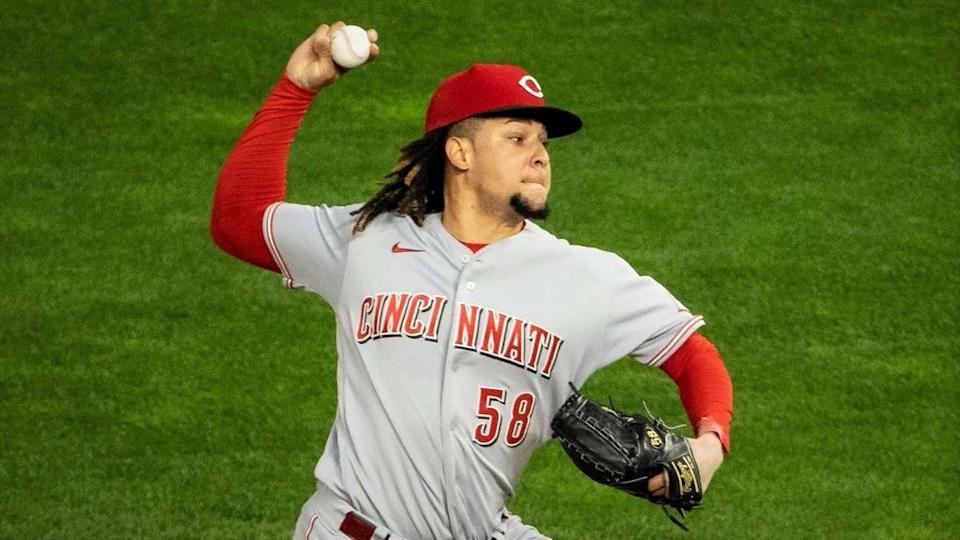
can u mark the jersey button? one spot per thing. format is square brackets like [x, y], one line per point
[471, 285]
[465, 258]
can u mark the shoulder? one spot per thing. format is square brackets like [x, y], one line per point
[304, 218]
[339, 214]
[384, 221]
[590, 262]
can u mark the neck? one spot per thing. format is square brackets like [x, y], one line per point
[467, 220]
[477, 229]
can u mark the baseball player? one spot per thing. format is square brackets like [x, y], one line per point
[460, 322]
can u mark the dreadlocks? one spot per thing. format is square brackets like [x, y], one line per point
[416, 188]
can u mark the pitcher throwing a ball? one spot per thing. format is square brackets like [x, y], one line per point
[461, 323]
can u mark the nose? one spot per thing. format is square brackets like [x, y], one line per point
[541, 158]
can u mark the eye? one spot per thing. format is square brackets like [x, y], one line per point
[516, 138]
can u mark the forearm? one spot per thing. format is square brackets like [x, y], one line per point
[255, 174]
[705, 387]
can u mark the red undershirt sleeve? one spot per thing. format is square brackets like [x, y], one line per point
[255, 175]
[705, 387]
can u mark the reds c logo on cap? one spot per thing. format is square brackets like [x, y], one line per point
[528, 83]
[493, 88]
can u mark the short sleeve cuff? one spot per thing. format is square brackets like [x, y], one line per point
[268, 235]
[679, 337]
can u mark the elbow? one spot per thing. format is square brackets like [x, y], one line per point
[221, 231]
[239, 235]
[226, 234]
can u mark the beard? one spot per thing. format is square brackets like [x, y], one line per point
[526, 210]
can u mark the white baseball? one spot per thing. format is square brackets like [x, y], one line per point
[350, 46]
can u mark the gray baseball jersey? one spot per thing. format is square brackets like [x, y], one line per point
[451, 364]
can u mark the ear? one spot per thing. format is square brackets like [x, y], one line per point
[459, 152]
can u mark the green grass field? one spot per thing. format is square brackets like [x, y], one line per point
[789, 170]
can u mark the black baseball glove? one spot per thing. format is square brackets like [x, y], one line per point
[626, 451]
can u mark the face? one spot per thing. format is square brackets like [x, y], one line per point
[509, 166]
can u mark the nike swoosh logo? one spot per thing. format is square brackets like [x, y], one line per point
[397, 248]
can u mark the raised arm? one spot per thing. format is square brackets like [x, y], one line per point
[255, 173]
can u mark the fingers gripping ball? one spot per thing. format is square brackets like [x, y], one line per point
[350, 46]
[626, 451]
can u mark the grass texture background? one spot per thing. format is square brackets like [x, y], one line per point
[789, 170]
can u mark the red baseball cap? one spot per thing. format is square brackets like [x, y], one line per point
[493, 90]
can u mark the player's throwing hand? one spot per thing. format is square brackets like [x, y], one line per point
[311, 65]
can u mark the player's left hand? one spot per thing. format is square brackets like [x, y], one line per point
[707, 452]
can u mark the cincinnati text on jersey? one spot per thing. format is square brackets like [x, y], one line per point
[485, 331]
